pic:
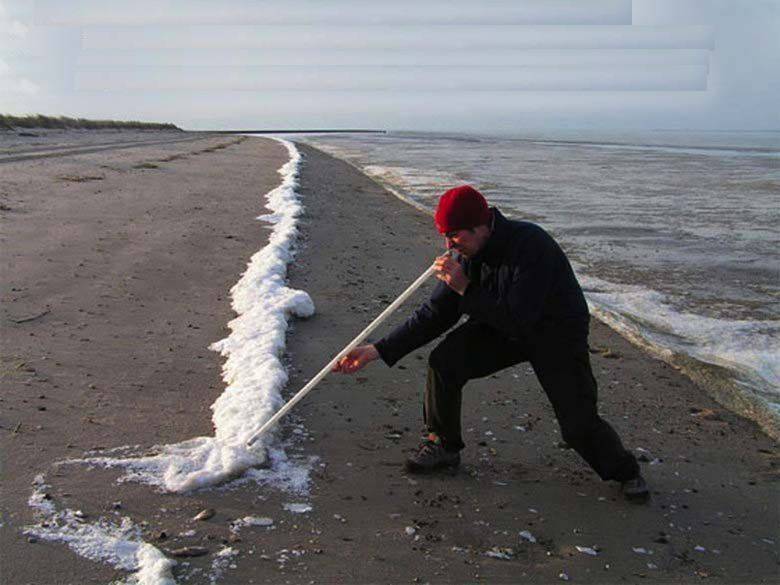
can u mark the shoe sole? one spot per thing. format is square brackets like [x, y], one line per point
[638, 498]
[421, 469]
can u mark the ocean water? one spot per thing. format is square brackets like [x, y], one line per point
[674, 235]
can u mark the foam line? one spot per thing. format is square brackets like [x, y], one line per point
[118, 544]
[253, 371]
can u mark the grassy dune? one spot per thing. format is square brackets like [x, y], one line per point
[39, 121]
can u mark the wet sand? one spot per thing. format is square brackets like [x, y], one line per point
[134, 270]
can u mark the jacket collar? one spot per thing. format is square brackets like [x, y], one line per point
[498, 238]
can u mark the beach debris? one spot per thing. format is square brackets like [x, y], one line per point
[501, 553]
[340, 518]
[644, 455]
[526, 535]
[563, 576]
[699, 548]
[641, 550]
[80, 178]
[587, 550]
[187, 533]
[189, 551]
[298, 508]
[705, 414]
[662, 538]
[204, 514]
[261, 521]
[31, 318]
[410, 530]
[652, 566]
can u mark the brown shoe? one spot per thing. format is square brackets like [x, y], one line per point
[431, 455]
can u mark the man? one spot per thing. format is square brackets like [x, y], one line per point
[524, 304]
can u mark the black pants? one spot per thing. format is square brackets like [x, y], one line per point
[561, 363]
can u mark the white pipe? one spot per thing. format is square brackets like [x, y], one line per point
[352, 345]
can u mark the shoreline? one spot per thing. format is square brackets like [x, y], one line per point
[649, 402]
[714, 477]
[737, 391]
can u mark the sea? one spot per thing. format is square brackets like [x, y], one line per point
[674, 235]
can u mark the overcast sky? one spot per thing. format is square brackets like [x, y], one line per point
[417, 65]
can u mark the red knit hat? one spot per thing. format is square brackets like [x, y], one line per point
[461, 208]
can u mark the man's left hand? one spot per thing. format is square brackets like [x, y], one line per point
[449, 271]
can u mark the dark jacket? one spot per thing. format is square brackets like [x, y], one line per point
[522, 285]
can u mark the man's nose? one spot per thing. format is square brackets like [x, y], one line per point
[448, 243]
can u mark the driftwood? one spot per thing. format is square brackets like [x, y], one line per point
[33, 318]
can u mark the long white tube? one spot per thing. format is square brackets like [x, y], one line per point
[352, 345]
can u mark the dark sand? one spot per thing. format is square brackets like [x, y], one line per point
[135, 269]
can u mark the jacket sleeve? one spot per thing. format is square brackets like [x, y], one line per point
[430, 320]
[517, 307]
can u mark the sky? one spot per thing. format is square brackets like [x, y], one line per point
[488, 66]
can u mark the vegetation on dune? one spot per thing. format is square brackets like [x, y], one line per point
[39, 121]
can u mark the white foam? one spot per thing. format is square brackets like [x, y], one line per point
[118, 544]
[222, 561]
[749, 348]
[253, 371]
[254, 376]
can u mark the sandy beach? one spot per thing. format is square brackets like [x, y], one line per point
[117, 266]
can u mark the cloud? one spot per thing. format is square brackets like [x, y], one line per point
[440, 79]
[317, 12]
[11, 27]
[11, 84]
[391, 38]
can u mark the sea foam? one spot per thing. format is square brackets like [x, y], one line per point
[746, 349]
[253, 371]
[117, 543]
[254, 377]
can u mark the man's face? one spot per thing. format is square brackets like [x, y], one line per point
[467, 242]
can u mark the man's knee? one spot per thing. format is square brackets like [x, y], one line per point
[437, 360]
[442, 361]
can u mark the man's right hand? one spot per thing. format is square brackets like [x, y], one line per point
[356, 359]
